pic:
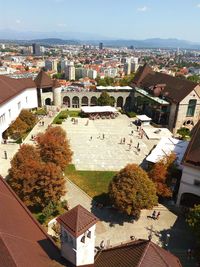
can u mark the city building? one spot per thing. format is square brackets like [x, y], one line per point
[51, 64]
[36, 49]
[189, 190]
[169, 101]
[100, 46]
[70, 72]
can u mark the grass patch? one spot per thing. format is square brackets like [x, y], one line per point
[64, 114]
[94, 183]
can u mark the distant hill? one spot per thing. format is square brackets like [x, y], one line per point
[62, 38]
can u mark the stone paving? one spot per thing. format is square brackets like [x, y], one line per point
[108, 154]
[96, 146]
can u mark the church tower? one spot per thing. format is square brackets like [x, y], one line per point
[78, 236]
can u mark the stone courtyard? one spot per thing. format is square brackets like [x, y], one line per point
[97, 146]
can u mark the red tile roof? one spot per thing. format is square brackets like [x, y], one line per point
[176, 89]
[192, 154]
[10, 87]
[44, 81]
[140, 253]
[77, 220]
[23, 242]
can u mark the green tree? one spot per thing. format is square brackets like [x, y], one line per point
[193, 220]
[184, 133]
[131, 190]
[54, 147]
[194, 78]
[105, 100]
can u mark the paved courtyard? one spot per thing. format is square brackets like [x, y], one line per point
[96, 146]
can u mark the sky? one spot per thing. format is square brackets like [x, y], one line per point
[116, 19]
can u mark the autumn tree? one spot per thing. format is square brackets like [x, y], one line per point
[54, 147]
[160, 175]
[35, 182]
[17, 128]
[28, 117]
[24, 172]
[105, 100]
[131, 190]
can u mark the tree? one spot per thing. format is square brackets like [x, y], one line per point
[193, 220]
[54, 147]
[28, 117]
[17, 128]
[160, 175]
[24, 172]
[105, 100]
[184, 133]
[131, 190]
[35, 182]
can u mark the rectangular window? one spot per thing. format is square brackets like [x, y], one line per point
[2, 119]
[19, 105]
[9, 111]
[191, 108]
[26, 99]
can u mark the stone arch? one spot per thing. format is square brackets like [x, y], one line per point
[66, 101]
[48, 101]
[93, 101]
[120, 102]
[127, 105]
[75, 102]
[84, 101]
[189, 200]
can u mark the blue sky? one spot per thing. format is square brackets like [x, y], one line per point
[134, 19]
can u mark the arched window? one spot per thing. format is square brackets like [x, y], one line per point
[191, 108]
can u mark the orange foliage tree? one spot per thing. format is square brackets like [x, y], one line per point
[160, 175]
[35, 182]
[54, 147]
[131, 190]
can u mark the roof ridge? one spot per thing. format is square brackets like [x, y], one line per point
[145, 252]
[158, 252]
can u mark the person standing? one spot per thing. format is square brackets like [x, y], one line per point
[5, 155]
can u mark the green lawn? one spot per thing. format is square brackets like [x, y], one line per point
[94, 183]
[64, 114]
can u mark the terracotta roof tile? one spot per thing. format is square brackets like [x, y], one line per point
[44, 81]
[77, 220]
[23, 242]
[10, 87]
[140, 253]
[192, 154]
[176, 89]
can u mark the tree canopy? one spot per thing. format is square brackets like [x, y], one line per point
[105, 100]
[160, 175]
[54, 147]
[131, 190]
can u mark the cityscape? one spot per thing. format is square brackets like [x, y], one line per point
[99, 134]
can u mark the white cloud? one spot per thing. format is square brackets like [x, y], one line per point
[198, 6]
[142, 9]
[18, 21]
[62, 25]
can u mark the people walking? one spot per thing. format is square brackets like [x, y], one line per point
[5, 155]
[153, 215]
[158, 215]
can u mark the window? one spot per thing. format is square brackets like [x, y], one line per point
[9, 111]
[191, 108]
[26, 99]
[2, 119]
[19, 105]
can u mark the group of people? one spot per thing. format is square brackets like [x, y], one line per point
[155, 215]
